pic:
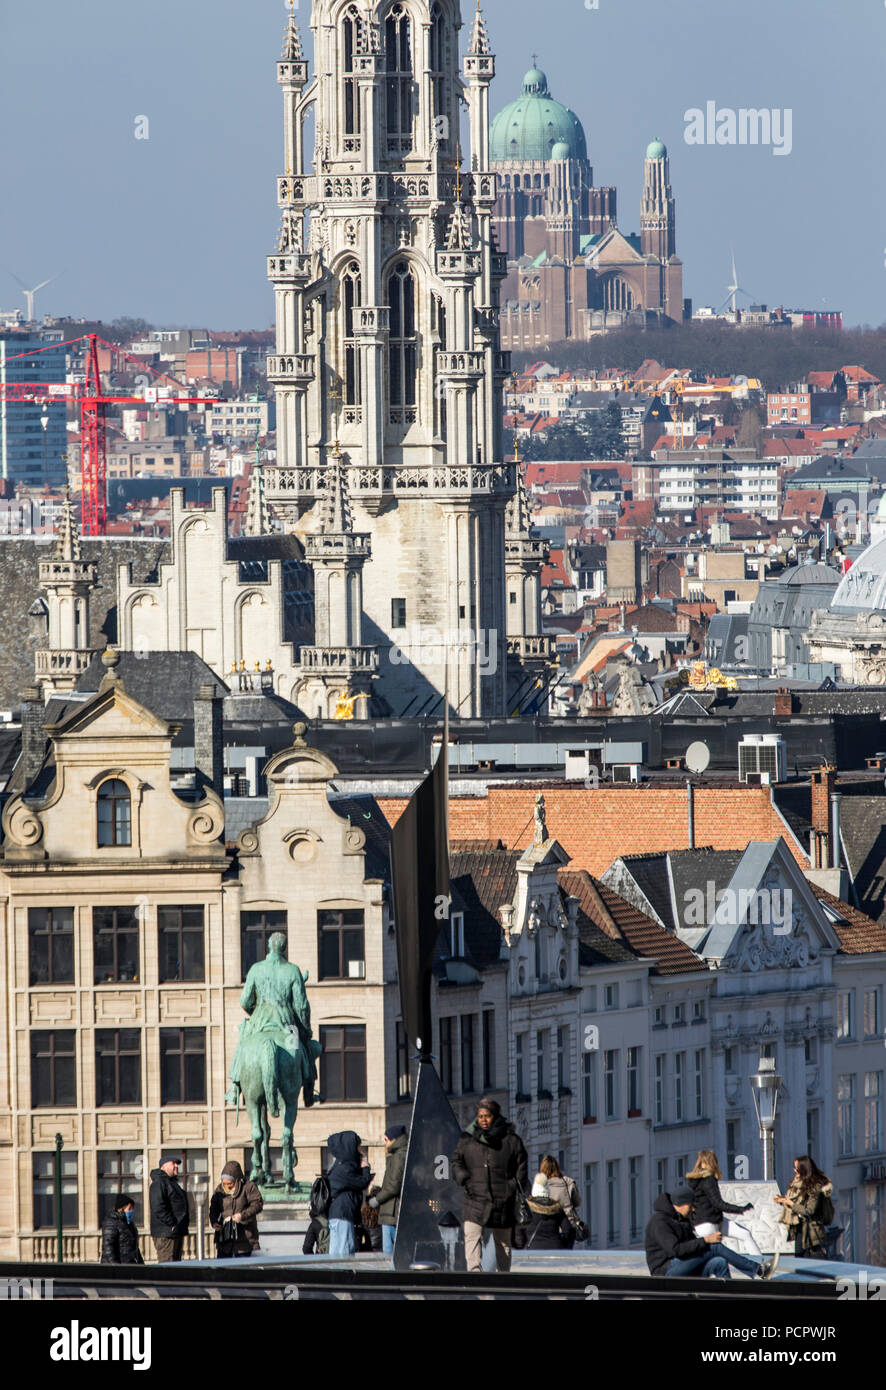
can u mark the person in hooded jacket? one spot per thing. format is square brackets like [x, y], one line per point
[674, 1249]
[489, 1163]
[120, 1235]
[349, 1178]
[550, 1227]
[803, 1209]
[234, 1206]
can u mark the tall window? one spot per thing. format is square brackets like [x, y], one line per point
[872, 1012]
[341, 944]
[845, 1011]
[51, 945]
[520, 1059]
[114, 813]
[635, 1198]
[589, 1086]
[44, 1191]
[812, 1131]
[457, 936]
[343, 1062]
[447, 1054]
[398, 53]
[542, 1043]
[610, 1084]
[488, 1049]
[846, 1114]
[635, 1102]
[612, 1222]
[873, 1111]
[731, 1148]
[256, 929]
[591, 1176]
[402, 344]
[679, 1077]
[180, 939]
[659, 1088]
[53, 1068]
[661, 1176]
[467, 1054]
[118, 1066]
[351, 301]
[120, 1170]
[699, 1083]
[182, 1066]
[351, 37]
[437, 58]
[115, 945]
[562, 1060]
[404, 1080]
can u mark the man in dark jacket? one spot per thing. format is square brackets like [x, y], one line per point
[673, 1248]
[349, 1178]
[488, 1163]
[387, 1199]
[120, 1235]
[169, 1210]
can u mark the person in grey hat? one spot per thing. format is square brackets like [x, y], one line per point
[169, 1209]
[673, 1249]
[387, 1199]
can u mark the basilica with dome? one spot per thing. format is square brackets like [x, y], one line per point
[572, 273]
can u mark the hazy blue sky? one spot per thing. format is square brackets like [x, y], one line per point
[176, 227]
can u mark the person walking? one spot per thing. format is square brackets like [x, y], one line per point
[807, 1209]
[564, 1190]
[387, 1199]
[120, 1235]
[349, 1178]
[233, 1210]
[169, 1210]
[710, 1207]
[489, 1163]
[550, 1228]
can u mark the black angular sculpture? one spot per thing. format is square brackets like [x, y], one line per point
[429, 1227]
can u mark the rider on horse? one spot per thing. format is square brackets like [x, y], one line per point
[274, 998]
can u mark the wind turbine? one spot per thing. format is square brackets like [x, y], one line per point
[29, 294]
[734, 289]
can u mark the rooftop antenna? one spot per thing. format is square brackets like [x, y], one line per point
[29, 294]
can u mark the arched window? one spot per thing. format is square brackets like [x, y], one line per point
[398, 53]
[351, 44]
[403, 344]
[351, 300]
[114, 813]
[438, 73]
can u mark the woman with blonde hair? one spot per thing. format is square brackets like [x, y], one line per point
[711, 1210]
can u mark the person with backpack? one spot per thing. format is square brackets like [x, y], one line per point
[317, 1235]
[807, 1209]
[550, 1228]
[349, 1178]
[564, 1190]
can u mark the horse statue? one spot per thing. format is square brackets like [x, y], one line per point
[275, 1057]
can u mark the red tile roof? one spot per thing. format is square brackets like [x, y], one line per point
[621, 921]
[859, 934]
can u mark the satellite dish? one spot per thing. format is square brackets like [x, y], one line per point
[698, 756]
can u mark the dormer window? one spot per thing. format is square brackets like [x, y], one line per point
[457, 936]
[114, 813]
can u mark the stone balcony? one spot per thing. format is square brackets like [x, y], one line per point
[347, 660]
[294, 368]
[322, 546]
[291, 267]
[537, 647]
[70, 663]
[461, 366]
[441, 482]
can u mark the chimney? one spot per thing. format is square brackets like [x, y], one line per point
[33, 735]
[823, 782]
[784, 701]
[208, 747]
[836, 855]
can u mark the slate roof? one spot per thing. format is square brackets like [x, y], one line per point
[166, 683]
[627, 926]
[483, 875]
[863, 833]
[365, 813]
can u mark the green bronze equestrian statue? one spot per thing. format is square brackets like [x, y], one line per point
[275, 1057]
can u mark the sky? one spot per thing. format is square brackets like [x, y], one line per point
[175, 228]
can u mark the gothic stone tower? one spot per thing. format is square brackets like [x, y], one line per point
[387, 288]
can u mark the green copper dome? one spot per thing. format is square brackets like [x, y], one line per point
[656, 150]
[532, 126]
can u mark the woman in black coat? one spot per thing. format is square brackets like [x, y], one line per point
[489, 1163]
[550, 1227]
[711, 1210]
[120, 1235]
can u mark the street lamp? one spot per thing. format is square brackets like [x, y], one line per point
[764, 1089]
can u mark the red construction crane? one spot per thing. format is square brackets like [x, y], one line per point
[93, 460]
